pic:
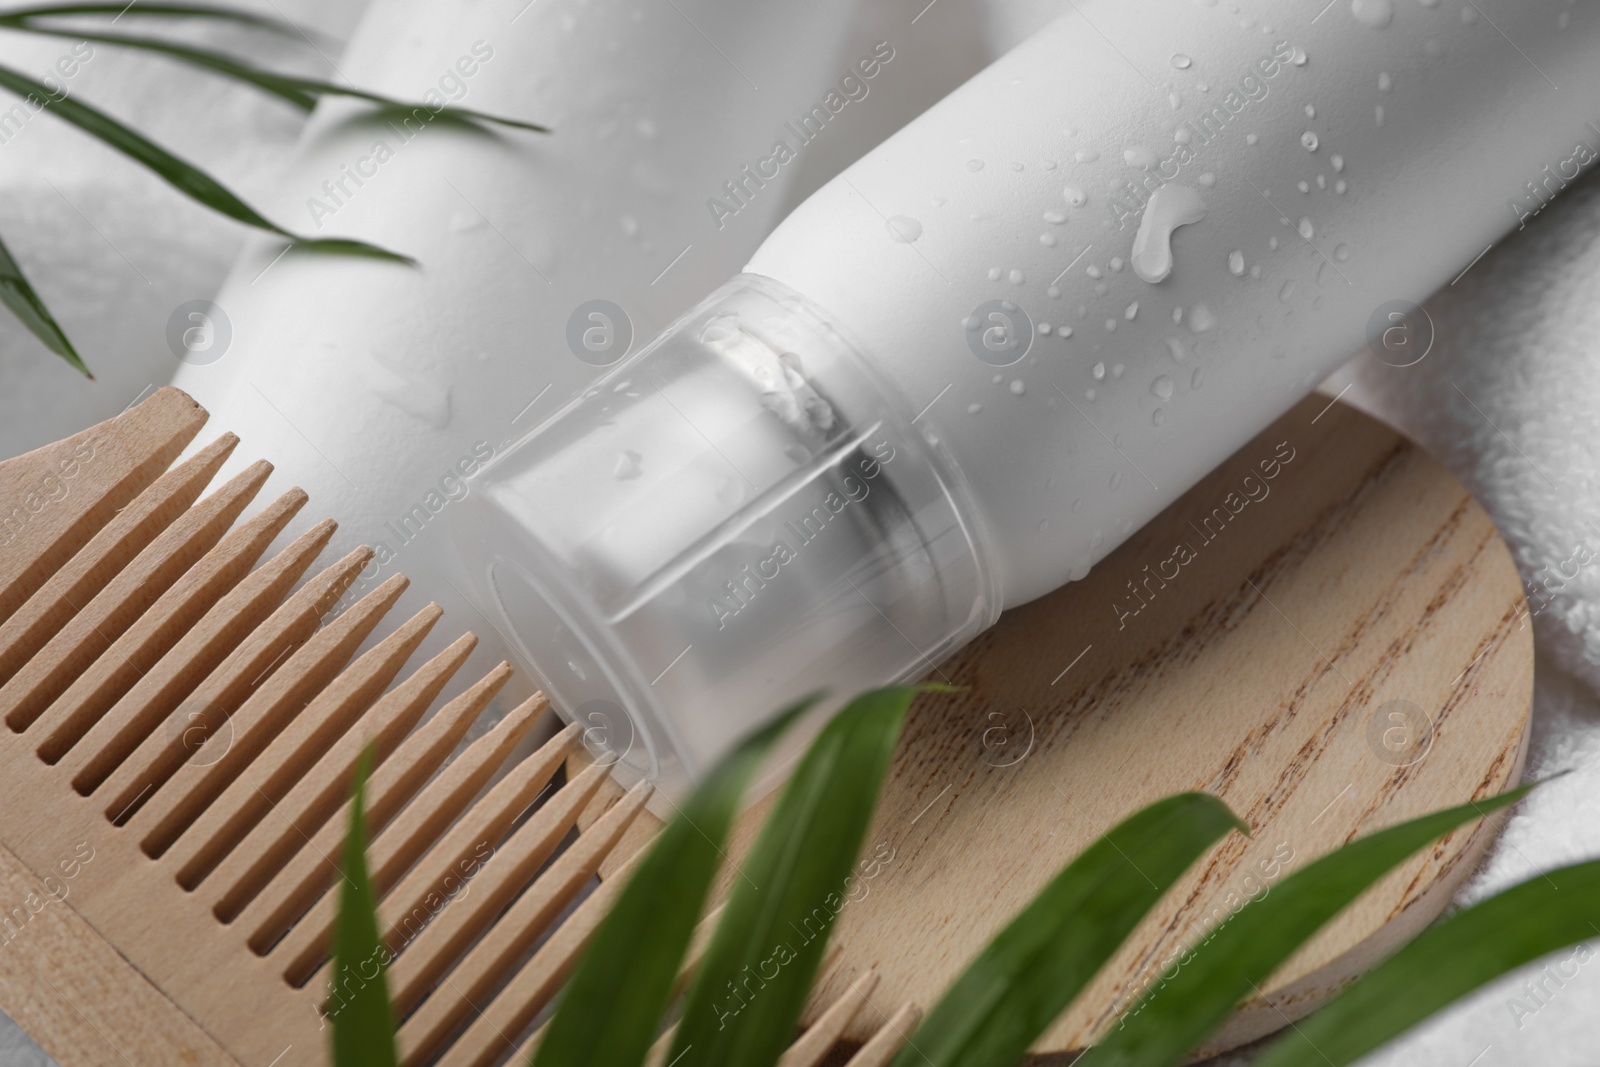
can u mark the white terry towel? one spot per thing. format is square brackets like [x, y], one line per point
[1509, 399]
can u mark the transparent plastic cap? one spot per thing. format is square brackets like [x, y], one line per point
[737, 516]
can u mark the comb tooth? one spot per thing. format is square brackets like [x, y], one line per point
[504, 873]
[227, 687]
[85, 636]
[292, 887]
[220, 759]
[108, 551]
[292, 753]
[174, 615]
[883, 1045]
[536, 984]
[422, 1035]
[155, 696]
[817, 1041]
[393, 852]
[60, 495]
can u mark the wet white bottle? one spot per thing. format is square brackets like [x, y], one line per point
[541, 259]
[970, 365]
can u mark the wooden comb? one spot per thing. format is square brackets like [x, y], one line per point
[182, 722]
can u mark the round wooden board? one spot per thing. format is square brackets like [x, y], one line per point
[1326, 632]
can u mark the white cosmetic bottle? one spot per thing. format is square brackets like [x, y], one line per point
[965, 369]
[541, 258]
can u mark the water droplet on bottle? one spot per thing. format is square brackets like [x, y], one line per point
[1158, 416]
[1175, 349]
[628, 466]
[1307, 230]
[994, 274]
[1074, 196]
[974, 164]
[1047, 239]
[1377, 114]
[1251, 138]
[1099, 372]
[1016, 277]
[1303, 187]
[1287, 292]
[1309, 141]
[1053, 292]
[1168, 208]
[1086, 155]
[1311, 111]
[1337, 161]
[1182, 62]
[904, 229]
[1054, 218]
[1092, 271]
[1236, 263]
[1384, 82]
[1116, 263]
[1116, 372]
[1063, 331]
[1132, 312]
[1111, 325]
[1272, 243]
[1162, 387]
[1201, 319]
[1373, 14]
[1206, 180]
[1140, 156]
[1340, 186]
[1177, 316]
[1181, 135]
[1197, 378]
[1017, 388]
[973, 409]
[1044, 329]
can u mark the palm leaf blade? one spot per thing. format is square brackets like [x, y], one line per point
[19, 296]
[1446, 962]
[1176, 1014]
[1044, 957]
[185, 177]
[614, 1002]
[303, 93]
[363, 1024]
[758, 970]
[218, 12]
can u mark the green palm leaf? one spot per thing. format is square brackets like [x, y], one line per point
[1446, 962]
[25, 304]
[613, 1005]
[747, 997]
[303, 93]
[185, 177]
[358, 995]
[217, 12]
[1044, 957]
[1175, 1015]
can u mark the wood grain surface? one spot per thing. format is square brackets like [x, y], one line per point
[179, 728]
[1326, 632]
